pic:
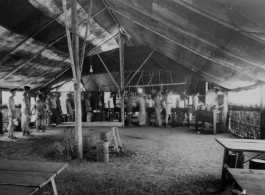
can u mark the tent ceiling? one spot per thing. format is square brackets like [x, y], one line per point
[220, 41]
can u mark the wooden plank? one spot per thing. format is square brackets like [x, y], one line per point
[19, 178]
[121, 55]
[1, 115]
[32, 166]
[246, 145]
[250, 180]
[92, 124]
[17, 190]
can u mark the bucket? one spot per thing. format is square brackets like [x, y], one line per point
[105, 136]
[87, 142]
[257, 164]
[103, 151]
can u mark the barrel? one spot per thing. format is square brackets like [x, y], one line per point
[103, 151]
[236, 192]
[257, 164]
[232, 160]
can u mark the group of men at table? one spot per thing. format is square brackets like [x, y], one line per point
[47, 109]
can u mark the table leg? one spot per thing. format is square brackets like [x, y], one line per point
[53, 185]
[50, 188]
[225, 159]
[118, 136]
[115, 139]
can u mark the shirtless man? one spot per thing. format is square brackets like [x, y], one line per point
[11, 114]
[26, 112]
[169, 105]
[40, 108]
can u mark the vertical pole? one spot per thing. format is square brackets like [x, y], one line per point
[77, 88]
[121, 43]
[1, 115]
[262, 113]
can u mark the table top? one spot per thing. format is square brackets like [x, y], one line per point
[92, 124]
[250, 180]
[247, 145]
[26, 177]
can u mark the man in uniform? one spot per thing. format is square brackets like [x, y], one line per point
[40, 108]
[223, 106]
[169, 105]
[70, 107]
[142, 109]
[11, 114]
[25, 111]
[158, 108]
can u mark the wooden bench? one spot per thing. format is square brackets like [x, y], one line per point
[28, 177]
[248, 179]
[69, 128]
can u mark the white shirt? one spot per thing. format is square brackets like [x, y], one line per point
[111, 104]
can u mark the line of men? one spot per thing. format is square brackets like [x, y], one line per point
[46, 111]
[159, 102]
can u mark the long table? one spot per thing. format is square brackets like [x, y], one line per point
[28, 177]
[112, 125]
[238, 146]
[250, 180]
[207, 116]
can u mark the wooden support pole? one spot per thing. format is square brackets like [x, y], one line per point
[1, 115]
[69, 39]
[87, 28]
[140, 67]
[121, 43]
[262, 113]
[139, 78]
[77, 88]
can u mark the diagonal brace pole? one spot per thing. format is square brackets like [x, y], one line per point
[108, 71]
[140, 67]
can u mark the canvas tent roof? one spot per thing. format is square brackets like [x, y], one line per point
[219, 41]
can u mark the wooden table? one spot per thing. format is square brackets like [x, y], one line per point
[238, 146]
[250, 180]
[208, 117]
[28, 177]
[112, 125]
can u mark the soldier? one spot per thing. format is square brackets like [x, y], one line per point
[40, 108]
[11, 114]
[25, 111]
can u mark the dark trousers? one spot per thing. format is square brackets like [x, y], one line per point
[111, 114]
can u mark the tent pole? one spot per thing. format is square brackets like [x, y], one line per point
[262, 112]
[1, 115]
[77, 88]
[121, 52]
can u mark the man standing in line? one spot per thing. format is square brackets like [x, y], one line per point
[223, 106]
[25, 111]
[69, 107]
[83, 107]
[59, 108]
[88, 108]
[158, 108]
[11, 114]
[40, 108]
[142, 109]
[111, 107]
[169, 105]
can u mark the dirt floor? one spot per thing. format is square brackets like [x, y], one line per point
[155, 161]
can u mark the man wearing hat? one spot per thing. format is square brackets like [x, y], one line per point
[25, 111]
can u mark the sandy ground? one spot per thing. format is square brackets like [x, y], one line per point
[155, 161]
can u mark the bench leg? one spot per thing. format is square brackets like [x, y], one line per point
[226, 152]
[53, 185]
